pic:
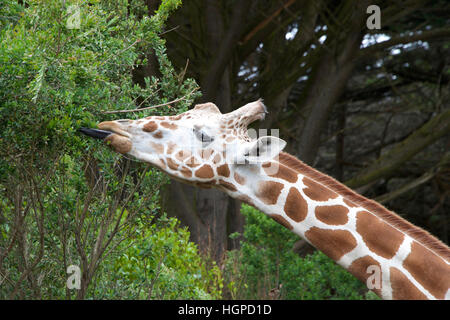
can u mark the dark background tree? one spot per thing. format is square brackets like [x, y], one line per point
[369, 107]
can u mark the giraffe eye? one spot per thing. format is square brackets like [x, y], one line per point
[203, 137]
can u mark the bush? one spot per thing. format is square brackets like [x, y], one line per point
[266, 261]
[67, 200]
[160, 262]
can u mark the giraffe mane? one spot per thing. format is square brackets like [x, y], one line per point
[419, 234]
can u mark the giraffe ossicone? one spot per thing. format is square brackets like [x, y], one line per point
[208, 149]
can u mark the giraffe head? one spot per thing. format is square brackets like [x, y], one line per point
[200, 146]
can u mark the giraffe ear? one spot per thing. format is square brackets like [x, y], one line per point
[264, 149]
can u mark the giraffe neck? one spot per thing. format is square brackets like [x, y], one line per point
[392, 257]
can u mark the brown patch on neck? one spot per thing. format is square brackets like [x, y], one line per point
[402, 288]
[428, 269]
[334, 243]
[349, 203]
[281, 221]
[333, 215]
[150, 126]
[316, 191]
[351, 196]
[379, 236]
[295, 207]
[283, 172]
[269, 191]
[204, 172]
[359, 267]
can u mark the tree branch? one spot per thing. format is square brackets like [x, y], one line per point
[153, 107]
[441, 33]
[385, 166]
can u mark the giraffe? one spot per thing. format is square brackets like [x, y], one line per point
[208, 149]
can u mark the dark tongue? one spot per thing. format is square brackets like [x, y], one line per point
[95, 133]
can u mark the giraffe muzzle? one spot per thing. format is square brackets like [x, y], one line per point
[95, 133]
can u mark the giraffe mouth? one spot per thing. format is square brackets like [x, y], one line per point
[95, 133]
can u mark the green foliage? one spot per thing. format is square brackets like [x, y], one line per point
[266, 261]
[161, 263]
[55, 79]
[68, 200]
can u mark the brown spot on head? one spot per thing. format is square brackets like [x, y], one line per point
[402, 288]
[334, 215]
[159, 148]
[334, 243]
[379, 236]
[182, 155]
[192, 162]
[223, 170]
[269, 191]
[316, 191]
[172, 164]
[204, 172]
[158, 135]
[283, 172]
[281, 221]
[169, 125]
[205, 153]
[178, 117]
[428, 269]
[359, 267]
[171, 147]
[161, 163]
[295, 207]
[186, 172]
[239, 179]
[217, 158]
[119, 143]
[150, 126]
